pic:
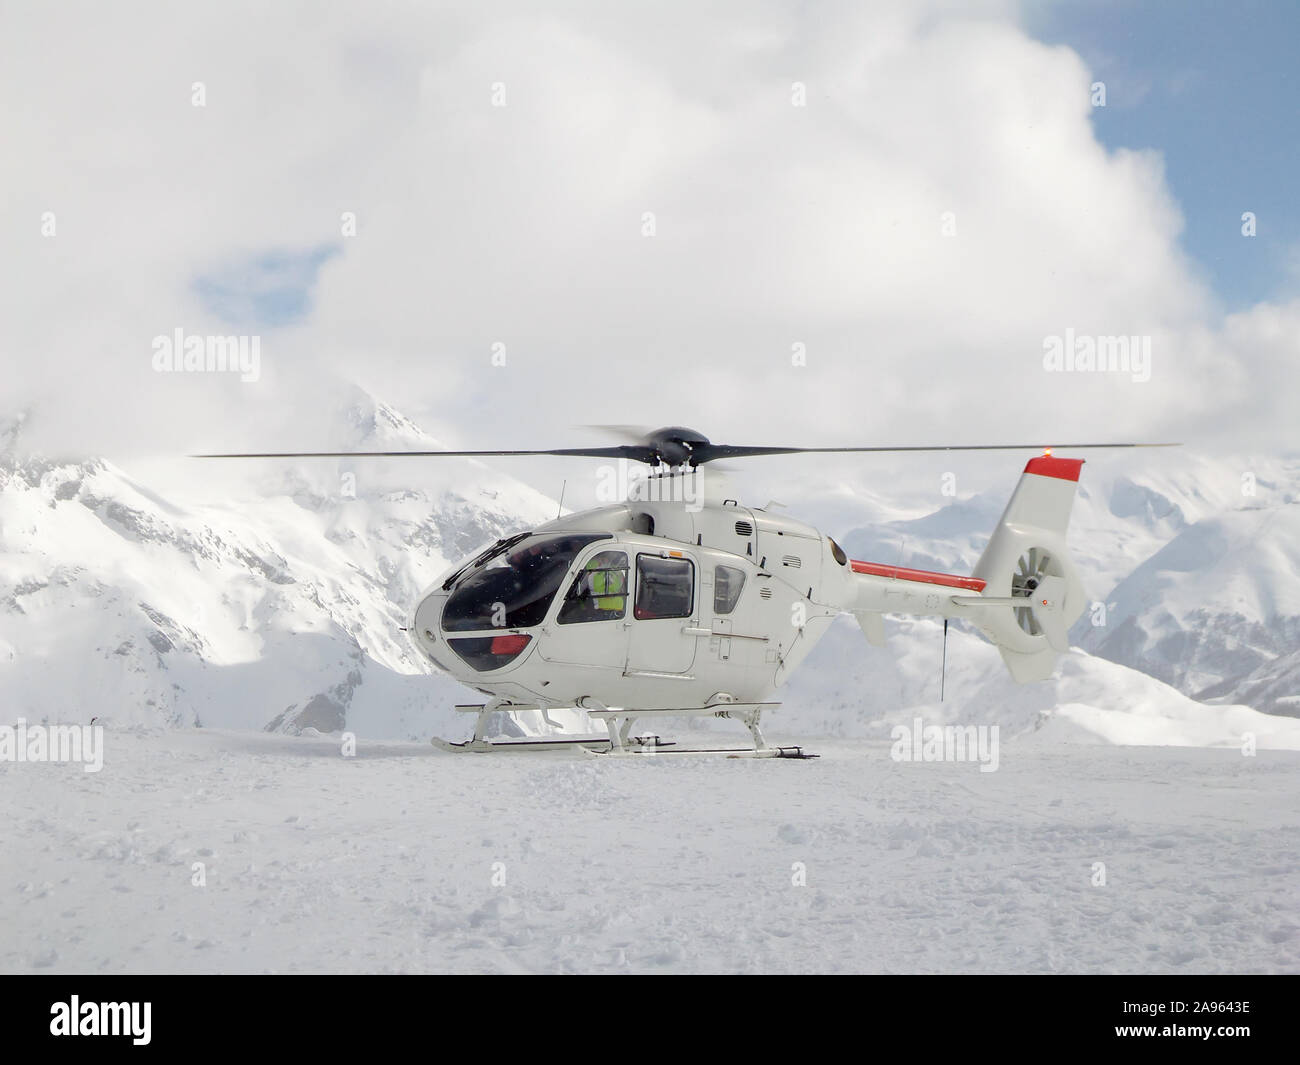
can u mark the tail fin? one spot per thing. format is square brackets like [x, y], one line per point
[1026, 559]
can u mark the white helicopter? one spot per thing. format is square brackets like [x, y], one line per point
[681, 601]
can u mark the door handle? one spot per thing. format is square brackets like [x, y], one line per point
[691, 630]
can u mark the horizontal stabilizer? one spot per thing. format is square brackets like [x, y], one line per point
[873, 627]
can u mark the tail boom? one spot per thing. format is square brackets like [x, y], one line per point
[1024, 593]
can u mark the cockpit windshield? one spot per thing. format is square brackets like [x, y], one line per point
[512, 588]
[478, 560]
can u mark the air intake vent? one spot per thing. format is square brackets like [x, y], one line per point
[743, 528]
[765, 593]
[791, 561]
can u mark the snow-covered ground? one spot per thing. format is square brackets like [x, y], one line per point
[405, 859]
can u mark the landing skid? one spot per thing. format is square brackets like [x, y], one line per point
[727, 752]
[593, 744]
[620, 740]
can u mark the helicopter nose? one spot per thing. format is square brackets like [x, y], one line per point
[425, 629]
[462, 656]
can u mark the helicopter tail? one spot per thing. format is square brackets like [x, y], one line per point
[1032, 592]
[1025, 592]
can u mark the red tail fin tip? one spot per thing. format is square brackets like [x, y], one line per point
[1062, 469]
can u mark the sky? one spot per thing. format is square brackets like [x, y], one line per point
[1214, 88]
[780, 223]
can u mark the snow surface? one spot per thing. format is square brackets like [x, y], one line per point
[385, 862]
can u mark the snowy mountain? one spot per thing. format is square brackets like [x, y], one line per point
[1216, 604]
[1274, 687]
[271, 596]
[280, 608]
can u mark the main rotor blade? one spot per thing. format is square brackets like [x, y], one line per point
[623, 451]
[709, 452]
[633, 434]
[700, 452]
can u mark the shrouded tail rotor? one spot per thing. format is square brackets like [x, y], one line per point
[1032, 569]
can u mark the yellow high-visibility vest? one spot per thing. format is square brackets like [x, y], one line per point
[606, 582]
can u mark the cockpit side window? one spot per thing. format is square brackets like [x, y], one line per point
[599, 592]
[665, 587]
[727, 583]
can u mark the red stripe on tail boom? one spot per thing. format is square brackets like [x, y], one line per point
[902, 573]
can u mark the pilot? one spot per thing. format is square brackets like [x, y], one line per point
[527, 558]
[608, 586]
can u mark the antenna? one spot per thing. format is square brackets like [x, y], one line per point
[559, 511]
[943, 669]
[902, 552]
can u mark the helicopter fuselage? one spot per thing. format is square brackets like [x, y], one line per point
[693, 607]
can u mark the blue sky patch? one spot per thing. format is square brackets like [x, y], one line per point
[266, 290]
[1215, 88]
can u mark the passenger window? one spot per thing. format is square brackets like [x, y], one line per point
[727, 583]
[599, 592]
[665, 587]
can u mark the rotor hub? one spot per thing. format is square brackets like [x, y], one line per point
[675, 445]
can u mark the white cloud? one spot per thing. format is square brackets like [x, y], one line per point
[523, 225]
